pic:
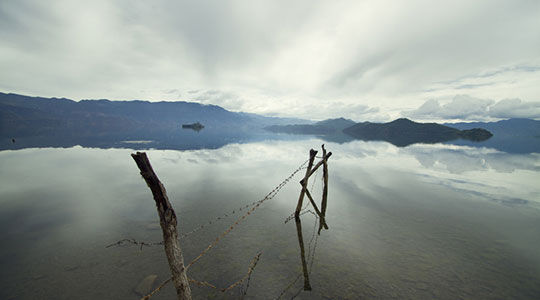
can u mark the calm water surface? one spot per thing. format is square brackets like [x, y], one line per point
[421, 222]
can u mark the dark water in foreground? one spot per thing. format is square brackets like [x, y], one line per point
[421, 222]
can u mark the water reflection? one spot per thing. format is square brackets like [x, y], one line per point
[405, 222]
[215, 137]
[464, 159]
[181, 139]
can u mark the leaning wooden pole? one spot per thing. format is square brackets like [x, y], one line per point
[304, 183]
[167, 218]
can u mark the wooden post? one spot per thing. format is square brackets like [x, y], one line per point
[167, 220]
[307, 286]
[304, 182]
[327, 156]
[325, 189]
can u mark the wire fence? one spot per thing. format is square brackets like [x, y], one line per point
[251, 207]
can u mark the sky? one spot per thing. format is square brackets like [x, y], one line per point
[365, 60]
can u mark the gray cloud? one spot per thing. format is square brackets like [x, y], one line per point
[465, 107]
[515, 108]
[473, 86]
[224, 99]
[273, 57]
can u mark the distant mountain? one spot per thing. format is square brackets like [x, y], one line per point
[337, 124]
[268, 121]
[513, 127]
[512, 135]
[326, 127]
[403, 132]
[29, 116]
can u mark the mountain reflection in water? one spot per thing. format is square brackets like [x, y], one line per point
[213, 137]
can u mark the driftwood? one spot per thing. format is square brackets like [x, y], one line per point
[168, 222]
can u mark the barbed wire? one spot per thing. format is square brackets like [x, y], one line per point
[311, 256]
[302, 212]
[248, 280]
[254, 205]
[308, 203]
[270, 196]
[252, 266]
[163, 284]
[248, 275]
[134, 242]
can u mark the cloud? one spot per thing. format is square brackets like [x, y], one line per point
[460, 107]
[227, 100]
[515, 108]
[464, 107]
[462, 159]
[273, 57]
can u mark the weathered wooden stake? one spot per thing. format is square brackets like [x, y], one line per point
[304, 182]
[325, 189]
[327, 156]
[307, 286]
[168, 222]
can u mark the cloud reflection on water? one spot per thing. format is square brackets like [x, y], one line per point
[401, 216]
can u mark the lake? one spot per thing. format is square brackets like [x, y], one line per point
[434, 221]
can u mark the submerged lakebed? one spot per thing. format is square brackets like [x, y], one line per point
[421, 222]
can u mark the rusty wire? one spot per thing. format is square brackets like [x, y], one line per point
[302, 212]
[248, 274]
[163, 284]
[254, 205]
[252, 266]
[270, 195]
[134, 242]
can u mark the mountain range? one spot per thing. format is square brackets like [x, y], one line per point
[38, 121]
[23, 115]
[329, 126]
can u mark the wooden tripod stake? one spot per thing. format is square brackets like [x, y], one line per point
[305, 192]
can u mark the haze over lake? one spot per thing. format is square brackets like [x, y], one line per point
[424, 221]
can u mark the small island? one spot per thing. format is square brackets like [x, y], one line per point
[195, 126]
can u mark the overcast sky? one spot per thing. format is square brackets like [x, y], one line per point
[365, 60]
